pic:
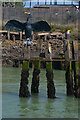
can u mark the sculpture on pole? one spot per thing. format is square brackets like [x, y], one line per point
[28, 27]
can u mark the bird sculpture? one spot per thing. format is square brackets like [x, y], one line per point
[28, 27]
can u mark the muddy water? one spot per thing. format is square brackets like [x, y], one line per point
[36, 106]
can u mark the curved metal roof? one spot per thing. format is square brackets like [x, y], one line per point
[32, 3]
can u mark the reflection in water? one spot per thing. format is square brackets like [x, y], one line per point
[23, 106]
[37, 105]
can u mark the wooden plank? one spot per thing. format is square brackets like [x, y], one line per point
[15, 33]
[3, 31]
[40, 34]
[11, 32]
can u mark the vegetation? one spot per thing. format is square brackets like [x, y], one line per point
[25, 66]
[49, 66]
[75, 32]
[62, 28]
[12, 4]
[37, 64]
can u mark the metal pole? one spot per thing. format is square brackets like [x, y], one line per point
[37, 2]
[45, 2]
[72, 2]
[55, 3]
[64, 2]
[50, 2]
[30, 3]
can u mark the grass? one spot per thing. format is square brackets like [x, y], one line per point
[62, 28]
[75, 32]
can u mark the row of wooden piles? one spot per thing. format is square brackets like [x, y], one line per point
[24, 91]
[72, 80]
[72, 68]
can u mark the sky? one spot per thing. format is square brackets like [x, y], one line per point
[34, 2]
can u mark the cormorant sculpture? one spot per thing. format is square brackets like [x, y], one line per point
[28, 27]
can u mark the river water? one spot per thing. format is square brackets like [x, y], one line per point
[36, 106]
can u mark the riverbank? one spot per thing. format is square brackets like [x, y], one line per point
[14, 52]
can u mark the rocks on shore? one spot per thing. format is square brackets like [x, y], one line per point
[15, 52]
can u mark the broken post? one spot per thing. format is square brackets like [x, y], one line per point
[24, 92]
[69, 78]
[50, 82]
[35, 79]
[77, 80]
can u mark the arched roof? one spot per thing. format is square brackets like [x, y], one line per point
[31, 3]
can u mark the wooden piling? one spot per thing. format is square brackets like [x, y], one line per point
[76, 55]
[16, 63]
[69, 50]
[35, 79]
[69, 78]
[8, 35]
[24, 92]
[50, 82]
[45, 37]
[77, 79]
[14, 39]
[33, 38]
[20, 35]
[73, 50]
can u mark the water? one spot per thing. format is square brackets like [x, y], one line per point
[36, 106]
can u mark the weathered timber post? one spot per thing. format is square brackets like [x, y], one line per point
[77, 79]
[16, 63]
[72, 50]
[14, 39]
[76, 50]
[45, 37]
[68, 75]
[35, 79]
[24, 92]
[8, 35]
[69, 78]
[69, 50]
[50, 82]
[33, 36]
[20, 35]
[76, 71]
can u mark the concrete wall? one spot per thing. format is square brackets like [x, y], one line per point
[54, 14]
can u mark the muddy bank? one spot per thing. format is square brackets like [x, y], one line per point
[14, 52]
